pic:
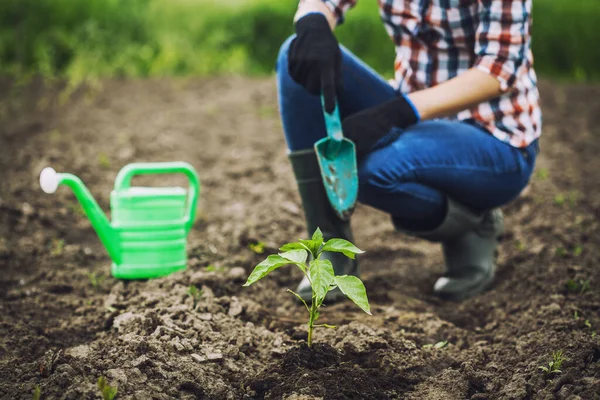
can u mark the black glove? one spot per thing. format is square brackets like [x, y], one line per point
[368, 127]
[314, 58]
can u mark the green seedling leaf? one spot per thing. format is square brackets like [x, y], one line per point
[213, 268]
[572, 286]
[108, 392]
[427, 346]
[96, 280]
[353, 287]
[440, 345]
[196, 294]
[103, 160]
[269, 265]
[295, 256]
[325, 326]
[561, 252]
[294, 246]
[342, 246]
[585, 285]
[321, 275]
[36, 393]
[587, 323]
[580, 286]
[58, 246]
[318, 236]
[312, 246]
[257, 248]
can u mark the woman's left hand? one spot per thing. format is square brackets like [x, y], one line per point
[367, 127]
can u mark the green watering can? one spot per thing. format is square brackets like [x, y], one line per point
[337, 161]
[148, 234]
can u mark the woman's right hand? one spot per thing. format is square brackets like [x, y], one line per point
[314, 58]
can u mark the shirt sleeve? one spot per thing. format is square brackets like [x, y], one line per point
[339, 8]
[503, 39]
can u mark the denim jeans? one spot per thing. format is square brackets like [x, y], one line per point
[411, 176]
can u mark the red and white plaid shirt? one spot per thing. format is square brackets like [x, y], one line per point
[437, 40]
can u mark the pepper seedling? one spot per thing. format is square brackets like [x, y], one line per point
[320, 273]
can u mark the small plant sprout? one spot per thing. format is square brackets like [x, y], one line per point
[559, 199]
[195, 294]
[108, 392]
[103, 160]
[585, 285]
[36, 394]
[258, 248]
[561, 252]
[581, 286]
[213, 268]
[542, 174]
[319, 272]
[58, 246]
[438, 345]
[554, 365]
[96, 280]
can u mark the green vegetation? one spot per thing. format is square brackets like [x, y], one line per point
[96, 280]
[554, 365]
[36, 394]
[257, 248]
[319, 272]
[438, 345]
[108, 392]
[195, 294]
[214, 268]
[581, 286]
[87, 40]
[58, 246]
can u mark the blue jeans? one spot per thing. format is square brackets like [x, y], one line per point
[411, 177]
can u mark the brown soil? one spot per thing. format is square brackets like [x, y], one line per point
[64, 322]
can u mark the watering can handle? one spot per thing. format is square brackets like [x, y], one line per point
[333, 123]
[124, 177]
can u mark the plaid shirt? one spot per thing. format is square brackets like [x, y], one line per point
[437, 40]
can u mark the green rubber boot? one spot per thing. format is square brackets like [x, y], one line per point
[469, 243]
[319, 213]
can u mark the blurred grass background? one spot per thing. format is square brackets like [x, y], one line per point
[84, 40]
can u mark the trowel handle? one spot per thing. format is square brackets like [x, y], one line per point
[333, 122]
[124, 177]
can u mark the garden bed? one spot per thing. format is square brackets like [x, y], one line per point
[64, 322]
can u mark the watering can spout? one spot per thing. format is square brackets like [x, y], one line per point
[50, 180]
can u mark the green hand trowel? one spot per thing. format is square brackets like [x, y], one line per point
[337, 160]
